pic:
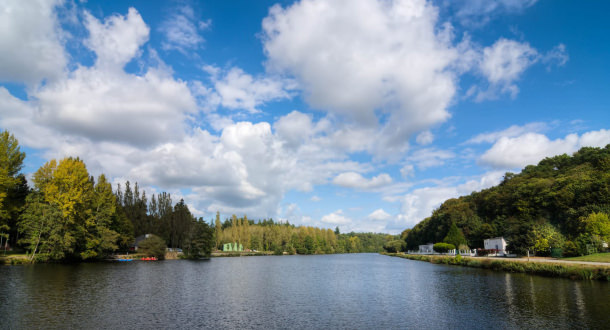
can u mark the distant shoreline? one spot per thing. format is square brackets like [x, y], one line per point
[562, 269]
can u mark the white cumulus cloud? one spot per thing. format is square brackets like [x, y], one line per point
[117, 40]
[181, 30]
[336, 218]
[530, 148]
[353, 58]
[357, 181]
[30, 40]
[379, 215]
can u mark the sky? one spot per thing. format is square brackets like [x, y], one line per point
[361, 114]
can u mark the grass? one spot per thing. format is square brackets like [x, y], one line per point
[573, 271]
[597, 257]
[14, 258]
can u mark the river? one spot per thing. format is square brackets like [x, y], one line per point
[349, 291]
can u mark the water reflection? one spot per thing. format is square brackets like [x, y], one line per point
[339, 291]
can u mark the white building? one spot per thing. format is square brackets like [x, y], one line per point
[496, 243]
[427, 248]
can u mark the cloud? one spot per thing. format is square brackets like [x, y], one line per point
[181, 30]
[239, 90]
[480, 12]
[336, 218]
[379, 215]
[117, 40]
[294, 128]
[512, 131]
[357, 181]
[502, 65]
[530, 148]
[315, 198]
[425, 138]
[556, 56]
[30, 38]
[19, 117]
[354, 58]
[430, 157]
[407, 171]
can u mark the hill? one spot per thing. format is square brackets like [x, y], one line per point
[564, 202]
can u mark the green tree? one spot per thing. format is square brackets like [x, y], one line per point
[598, 223]
[455, 236]
[37, 223]
[547, 237]
[11, 162]
[66, 186]
[153, 246]
[100, 238]
[217, 230]
[200, 241]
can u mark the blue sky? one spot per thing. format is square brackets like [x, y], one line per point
[360, 114]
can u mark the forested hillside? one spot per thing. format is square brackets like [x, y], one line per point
[562, 202]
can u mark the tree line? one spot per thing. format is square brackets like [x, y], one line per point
[70, 215]
[563, 202]
[280, 237]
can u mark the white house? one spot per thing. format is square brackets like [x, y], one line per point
[496, 243]
[427, 248]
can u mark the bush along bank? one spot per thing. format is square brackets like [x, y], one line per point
[575, 272]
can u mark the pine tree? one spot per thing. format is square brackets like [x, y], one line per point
[217, 229]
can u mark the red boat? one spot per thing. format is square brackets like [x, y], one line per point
[149, 259]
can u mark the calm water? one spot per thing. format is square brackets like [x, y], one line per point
[364, 291]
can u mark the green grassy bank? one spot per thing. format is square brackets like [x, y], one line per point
[14, 259]
[575, 272]
[597, 257]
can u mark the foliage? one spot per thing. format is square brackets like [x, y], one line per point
[13, 186]
[200, 241]
[67, 216]
[598, 224]
[37, 224]
[561, 198]
[393, 246]
[443, 247]
[454, 236]
[280, 237]
[153, 246]
[547, 237]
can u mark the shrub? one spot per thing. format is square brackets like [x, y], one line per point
[153, 246]
[443, 247]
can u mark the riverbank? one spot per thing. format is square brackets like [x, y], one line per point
[575, 271]
[15, 259]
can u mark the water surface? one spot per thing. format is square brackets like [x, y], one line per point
[351, 291]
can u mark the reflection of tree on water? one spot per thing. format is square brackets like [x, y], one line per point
[580, 302]
[513, 311]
